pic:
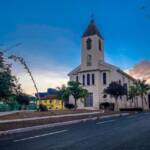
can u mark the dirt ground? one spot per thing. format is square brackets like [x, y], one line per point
[22, 124]
[21, 115]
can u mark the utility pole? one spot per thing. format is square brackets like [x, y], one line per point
[2, 52]
[22, 62]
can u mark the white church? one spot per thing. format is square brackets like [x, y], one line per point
[95, 74]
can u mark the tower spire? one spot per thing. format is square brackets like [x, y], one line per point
[92, 29]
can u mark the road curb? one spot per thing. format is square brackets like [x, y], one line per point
[48, 117]
[26, 129]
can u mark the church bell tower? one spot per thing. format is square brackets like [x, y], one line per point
[92, 52]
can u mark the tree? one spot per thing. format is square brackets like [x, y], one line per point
[115, 90]
[132, 94]
[7, 81]
[63, 94]
[84, 94]
[76, 91]
[23, 100]
[142, 90]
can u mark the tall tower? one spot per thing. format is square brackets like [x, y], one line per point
[92, 52]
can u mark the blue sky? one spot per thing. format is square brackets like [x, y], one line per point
[51, 30]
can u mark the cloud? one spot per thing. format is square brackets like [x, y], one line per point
[141, 70]
[44, 79]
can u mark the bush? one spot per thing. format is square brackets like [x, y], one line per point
[106, 106]
[132, 109]
[23, 99]
[42, 107]
[70, 106]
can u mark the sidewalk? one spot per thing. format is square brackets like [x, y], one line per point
[12, 112]
[7, 113]
[48, 117]
[60, 122]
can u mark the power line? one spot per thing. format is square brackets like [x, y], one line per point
[11, 47]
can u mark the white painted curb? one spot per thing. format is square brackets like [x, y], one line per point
[19, 130]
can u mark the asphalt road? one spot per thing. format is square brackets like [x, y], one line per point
[122, 133]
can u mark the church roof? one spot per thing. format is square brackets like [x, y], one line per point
[92, 30]
[75, 71]
[103, 66]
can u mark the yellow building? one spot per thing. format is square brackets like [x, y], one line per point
[53, 104]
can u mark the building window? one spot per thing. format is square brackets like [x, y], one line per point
[100, 45]
[77, 79]
[83, 79]
[123, 79]
[93, 79]
[125, 86]
[89, 44]
[88, 79]
[89, 60]
[104, 78]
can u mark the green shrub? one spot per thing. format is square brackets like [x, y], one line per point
[42, 107]
[70, 106]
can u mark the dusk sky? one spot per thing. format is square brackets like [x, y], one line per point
[50, 32]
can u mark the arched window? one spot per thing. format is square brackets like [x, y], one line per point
[100, 45]
[77, 79]
[93, 79]
[125, 86]
[89, 60]
[88, 79]
[88, 44]
[104, 78]
[83, 79]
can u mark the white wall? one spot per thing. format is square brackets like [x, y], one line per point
[98, 88]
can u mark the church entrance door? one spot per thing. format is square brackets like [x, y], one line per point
[89, 100]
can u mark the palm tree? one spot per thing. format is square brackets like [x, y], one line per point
[142, 90]
[63, 94]
[132, 94]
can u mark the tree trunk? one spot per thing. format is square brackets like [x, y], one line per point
[145, 100]
[62, 104]
[142, 102]
[75, 103]
[134, 103]
[131, 100]
[84, 102]
[116, 104]
[137, 102]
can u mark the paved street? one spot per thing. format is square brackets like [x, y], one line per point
[123, 133]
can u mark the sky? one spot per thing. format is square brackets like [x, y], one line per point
[50, 32]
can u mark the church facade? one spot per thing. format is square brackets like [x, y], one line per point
[95, 74]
